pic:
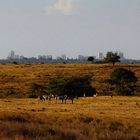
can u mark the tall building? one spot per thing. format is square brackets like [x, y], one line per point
[100, 56]
[49, 57]
[81, 57]
[121, 55]
[63, 56]
[11, 55]
[42, 57]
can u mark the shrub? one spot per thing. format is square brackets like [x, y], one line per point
[123, 80]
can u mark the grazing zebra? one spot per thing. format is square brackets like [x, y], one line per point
[66, 97]
[46, 97]
[42, 97]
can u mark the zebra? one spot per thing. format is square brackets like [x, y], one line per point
[43, 97]
[66, 97]
[46, 97]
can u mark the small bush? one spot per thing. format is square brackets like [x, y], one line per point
[86, 119]
[114, 126]
[123, 80]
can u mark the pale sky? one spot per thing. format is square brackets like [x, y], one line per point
[71, 27]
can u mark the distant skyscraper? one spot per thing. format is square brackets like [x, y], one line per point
[11, 55]
[49, 57]
[63, 56]
[81, 57]
[121, 55]
[100, 56]
[42, 57]
[17, 56]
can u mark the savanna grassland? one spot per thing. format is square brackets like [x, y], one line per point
[15, 80]
[89, 118]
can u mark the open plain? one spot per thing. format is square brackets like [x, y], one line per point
[89, 118]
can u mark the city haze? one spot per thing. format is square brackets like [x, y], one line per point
[71, 27]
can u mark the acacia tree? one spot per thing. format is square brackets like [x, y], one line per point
[36, 90]
[76, 86]
[112, 58]
[124, 81]
[55, 85]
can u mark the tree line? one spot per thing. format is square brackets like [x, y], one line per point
[122, 82]
[109, 58]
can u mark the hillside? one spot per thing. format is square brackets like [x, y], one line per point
[15, 80]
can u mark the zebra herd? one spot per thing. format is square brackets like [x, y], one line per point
[63, 97]
[58, 97]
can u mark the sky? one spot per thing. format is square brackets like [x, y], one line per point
[71, 27]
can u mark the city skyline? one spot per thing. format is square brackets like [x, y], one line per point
[13, 55]
[70, 27]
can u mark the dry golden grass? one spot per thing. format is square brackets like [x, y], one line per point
[99, 118]
[18, 78]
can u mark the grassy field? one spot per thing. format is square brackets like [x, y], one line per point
[100, 118]
[15, 80]
[94, 118]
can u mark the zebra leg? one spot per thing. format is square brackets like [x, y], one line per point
[72, 101]
[56, 99]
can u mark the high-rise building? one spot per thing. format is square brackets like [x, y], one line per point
[11, 55]
[121, 55]
[63, 56]
[81, 57]
[100, 56]
[42, 57]
[49, 57]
